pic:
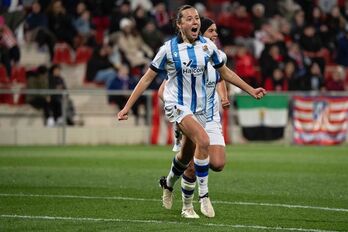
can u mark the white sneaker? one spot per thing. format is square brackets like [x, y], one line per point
[206, 207]
[189, 213]
[167, 197]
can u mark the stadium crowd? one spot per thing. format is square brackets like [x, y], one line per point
[282, 45]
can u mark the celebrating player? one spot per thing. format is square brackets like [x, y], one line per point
[215, 88]
[185, 59]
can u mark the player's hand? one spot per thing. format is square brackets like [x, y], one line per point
[258, 93]
[122, 115]
[225, 103]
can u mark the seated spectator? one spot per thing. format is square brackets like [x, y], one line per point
[9, 50]
[141, 17]
[312, 45]
[296, 54]
[162, 18]
[342, 48]
[36, 28]
[100, 65]
[277, 82]
[245, 66]
[297, 24]
[38, 79]
[124, 81]
[258, 15]
[122, 10]
[314, 79]
[292, 75]
[337, 82]
[152, 36]
[85, 29]
[271, 59]
[60, 23]
[56, 82]
[136, 51]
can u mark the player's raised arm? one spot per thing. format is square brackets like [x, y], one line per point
[231, 77]
[144, 82]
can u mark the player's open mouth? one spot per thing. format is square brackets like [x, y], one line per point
[194, 29]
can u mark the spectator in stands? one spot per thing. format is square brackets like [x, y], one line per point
[60, 23]
[276, 82]
[38, 79]
[296, 54]
[122, 10]
[292, 75]
[56, 82]
[162, 18]
[314, 79]
[136, 51]
[36, 28]
[297, 24]
[312, 45]
[336, 23]
[13, 12]
[245, 66]
[9, 50]
[124, 81]
[99, 67]
[342, 48]
[258, 15]
[152, 36]
[270, 60]
[85, 29]
[287, 8]
[141, 17]
[241, 23]
[337, 82]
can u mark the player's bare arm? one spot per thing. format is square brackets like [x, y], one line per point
[144, 82]
[231, 77]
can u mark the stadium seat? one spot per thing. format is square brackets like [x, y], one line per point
[62, 54]
[19, 75]
[83, 54]
[5, 83]
[102, 24]
[4, 80]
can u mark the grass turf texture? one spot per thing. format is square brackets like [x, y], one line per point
[122, 183]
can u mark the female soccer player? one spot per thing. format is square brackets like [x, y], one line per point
[185, 59]
[215, 88]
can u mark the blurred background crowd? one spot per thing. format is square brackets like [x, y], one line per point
[282, 45]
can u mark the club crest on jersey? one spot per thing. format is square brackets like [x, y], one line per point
[205, 48]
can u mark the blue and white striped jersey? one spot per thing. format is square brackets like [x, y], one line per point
[186, 66]
[213, 104]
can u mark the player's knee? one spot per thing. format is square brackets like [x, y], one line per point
[203, 143]
[217, 167]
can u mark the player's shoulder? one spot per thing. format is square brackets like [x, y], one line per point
[223, 55]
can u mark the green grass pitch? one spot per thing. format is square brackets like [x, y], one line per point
[264, 187]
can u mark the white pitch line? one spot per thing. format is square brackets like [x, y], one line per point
[256, 227]
[149, 199]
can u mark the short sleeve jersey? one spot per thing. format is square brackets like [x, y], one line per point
[186, 66]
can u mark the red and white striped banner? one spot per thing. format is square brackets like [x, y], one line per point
[320, 120]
